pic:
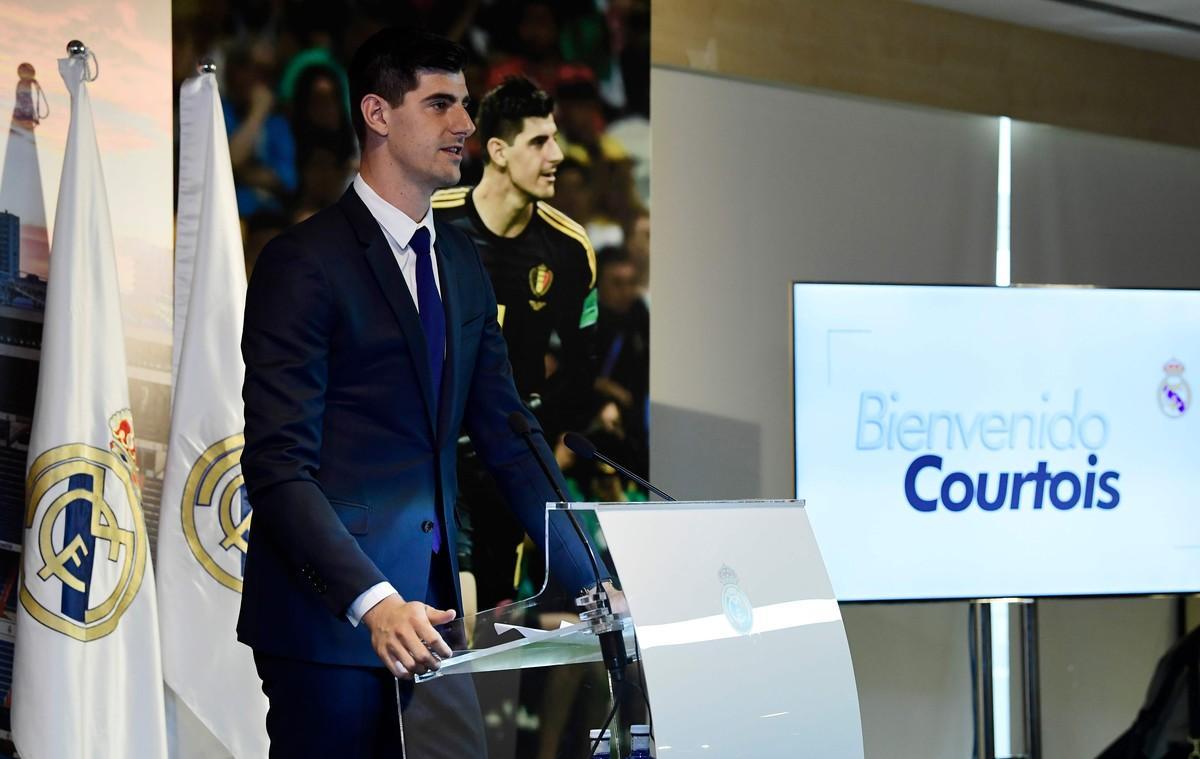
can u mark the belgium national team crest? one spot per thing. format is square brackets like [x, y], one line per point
[540, 279]
[89, 538]
[216, 512]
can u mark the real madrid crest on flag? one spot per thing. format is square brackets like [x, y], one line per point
[124, 445]
[216, 512]
[85, 511]
[1174, 394]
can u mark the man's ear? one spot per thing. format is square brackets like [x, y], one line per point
[497, 150]
[375, 112]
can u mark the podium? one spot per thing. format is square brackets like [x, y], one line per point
[731, 618]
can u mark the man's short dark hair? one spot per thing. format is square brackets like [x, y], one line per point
[503, 111]
[388, 64]
[610, 256]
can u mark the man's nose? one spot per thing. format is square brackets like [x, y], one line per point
[464, 126]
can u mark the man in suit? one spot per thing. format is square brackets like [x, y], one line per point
[370, 340]
[543, 271]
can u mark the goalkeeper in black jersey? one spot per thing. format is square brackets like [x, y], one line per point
[543, 269]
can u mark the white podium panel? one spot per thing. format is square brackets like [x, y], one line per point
[737, 631]
[741, 638]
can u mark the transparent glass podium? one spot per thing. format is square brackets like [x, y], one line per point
[732, 630]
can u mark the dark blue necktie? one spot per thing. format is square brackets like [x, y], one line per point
[429, 303]
[433, 322]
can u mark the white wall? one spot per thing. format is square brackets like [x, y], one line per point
[755, 187]
[1097, 659]
[1099, 210]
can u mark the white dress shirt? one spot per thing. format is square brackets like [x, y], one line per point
[398, 229]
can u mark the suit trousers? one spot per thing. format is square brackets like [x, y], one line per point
[326, 710]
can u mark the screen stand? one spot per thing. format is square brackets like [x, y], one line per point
[980, 630]
[1031, 679]
[997, 667]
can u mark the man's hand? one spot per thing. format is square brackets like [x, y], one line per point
[403, 637]
[616, 599]
[262, 100]
[470, 599]
[614, 390]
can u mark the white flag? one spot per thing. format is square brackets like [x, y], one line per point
[87, 679]
[205, 513]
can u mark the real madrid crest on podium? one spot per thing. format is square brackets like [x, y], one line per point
[1174, 394]
[216, 512]
[736, 604]
[85, 509]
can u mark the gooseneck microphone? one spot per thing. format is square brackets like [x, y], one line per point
[585, 448]
[520, 426]
[598, 608]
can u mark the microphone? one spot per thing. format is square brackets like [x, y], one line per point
[612, 640]
[585, 448]
[520, 427]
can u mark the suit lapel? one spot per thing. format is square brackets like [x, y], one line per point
[395, 290]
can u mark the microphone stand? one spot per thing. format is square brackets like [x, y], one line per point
[584, 448]
[595, 605]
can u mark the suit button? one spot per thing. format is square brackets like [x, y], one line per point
[427, 526]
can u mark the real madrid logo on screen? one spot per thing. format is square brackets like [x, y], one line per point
[90, 549]
[216, 512]
[738, 609]
[1174, 395]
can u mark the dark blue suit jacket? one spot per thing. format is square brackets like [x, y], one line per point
[346, 459]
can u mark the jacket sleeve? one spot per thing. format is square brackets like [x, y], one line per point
[490, 401]
[290, 314]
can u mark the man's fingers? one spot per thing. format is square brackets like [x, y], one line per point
[407, 642]
[402, 659]
[398, 660]
[431, 639]
[413, 643]
[441, 648]
[440, 616]
[617, 599]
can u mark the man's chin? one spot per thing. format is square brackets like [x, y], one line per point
[541, 192]
[448, 175]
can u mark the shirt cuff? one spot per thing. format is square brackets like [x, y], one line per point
[365, 602]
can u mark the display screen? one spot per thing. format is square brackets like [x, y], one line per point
[974, 442]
